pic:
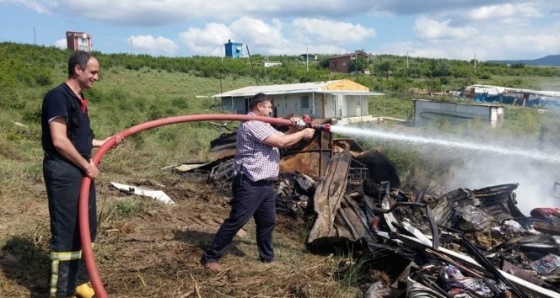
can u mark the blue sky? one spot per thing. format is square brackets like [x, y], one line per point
[454, 29]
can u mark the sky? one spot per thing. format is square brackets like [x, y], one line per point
[450, 29]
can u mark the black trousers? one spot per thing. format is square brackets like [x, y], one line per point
[250, 199]
[63, 181]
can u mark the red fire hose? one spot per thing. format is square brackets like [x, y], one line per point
[83, 214]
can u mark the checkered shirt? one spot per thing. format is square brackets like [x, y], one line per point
[255, 159]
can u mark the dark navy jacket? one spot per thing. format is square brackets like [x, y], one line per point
[62, 102]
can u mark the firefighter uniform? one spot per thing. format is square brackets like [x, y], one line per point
[63, 181]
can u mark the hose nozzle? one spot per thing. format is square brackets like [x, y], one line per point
[306, 122]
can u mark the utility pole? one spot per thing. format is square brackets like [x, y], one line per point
[407, 63]
[406, 60]
[34, 36]
[356, 54]
[307, 57]
[475, 61]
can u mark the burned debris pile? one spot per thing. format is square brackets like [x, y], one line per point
[465, 243]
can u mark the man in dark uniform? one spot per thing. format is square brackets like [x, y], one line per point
[67, 141]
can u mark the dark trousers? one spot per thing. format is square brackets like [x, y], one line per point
[250, 199]
[63, 181]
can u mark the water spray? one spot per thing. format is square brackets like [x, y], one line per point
[360, 132]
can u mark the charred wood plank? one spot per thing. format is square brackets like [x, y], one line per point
[328, 196]
[546, 228]
[362, 217]
[353, 220]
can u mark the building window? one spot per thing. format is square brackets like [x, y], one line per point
[305, 102]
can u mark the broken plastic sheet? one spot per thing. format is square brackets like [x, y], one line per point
[547, 265]
[137, 190]
[456, 283]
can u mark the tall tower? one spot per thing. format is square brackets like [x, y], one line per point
[78, 41]
[234, 49]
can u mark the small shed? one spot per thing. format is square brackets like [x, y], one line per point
[427, 110]
[329, 99]
[233, 49]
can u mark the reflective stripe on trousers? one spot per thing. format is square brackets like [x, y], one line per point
[57, 267]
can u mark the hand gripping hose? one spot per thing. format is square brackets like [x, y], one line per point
[83, 215]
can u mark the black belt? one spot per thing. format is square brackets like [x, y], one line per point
[263, 182]
[59, 156]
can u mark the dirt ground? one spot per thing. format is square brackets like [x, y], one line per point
[154, 249]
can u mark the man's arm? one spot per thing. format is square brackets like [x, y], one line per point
[65, 147]
[287, 140]
[98, 143]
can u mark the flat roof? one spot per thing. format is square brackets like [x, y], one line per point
[310, 87]
[349, 92]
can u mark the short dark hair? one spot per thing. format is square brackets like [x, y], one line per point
[79, 58]
[258, 98]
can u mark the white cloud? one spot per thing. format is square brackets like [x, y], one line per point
[40, 6]
[153, 45]
[207, 40]
[500, 41]
[260, 36]
[276, 37]
[329, 31]
[430, 29]
[258, 32]
[437, 7]
[152, 13]
[504, 11]
[61, 44]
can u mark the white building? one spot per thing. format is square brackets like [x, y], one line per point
[456, 113]
[272, 63]
[341, 99]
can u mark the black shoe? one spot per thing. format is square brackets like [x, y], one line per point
[210, 266]
[267, 260]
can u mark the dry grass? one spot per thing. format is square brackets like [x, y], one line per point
[146, 249]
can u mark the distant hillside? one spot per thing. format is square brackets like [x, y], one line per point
[550, 60]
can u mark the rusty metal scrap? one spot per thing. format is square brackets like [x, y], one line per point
[408, 229]
[472, 210]
[328, 197]
[293, 193]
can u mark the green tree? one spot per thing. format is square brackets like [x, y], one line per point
[440, 68]
[385, 68]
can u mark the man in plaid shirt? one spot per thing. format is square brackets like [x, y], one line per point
[257, 162]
